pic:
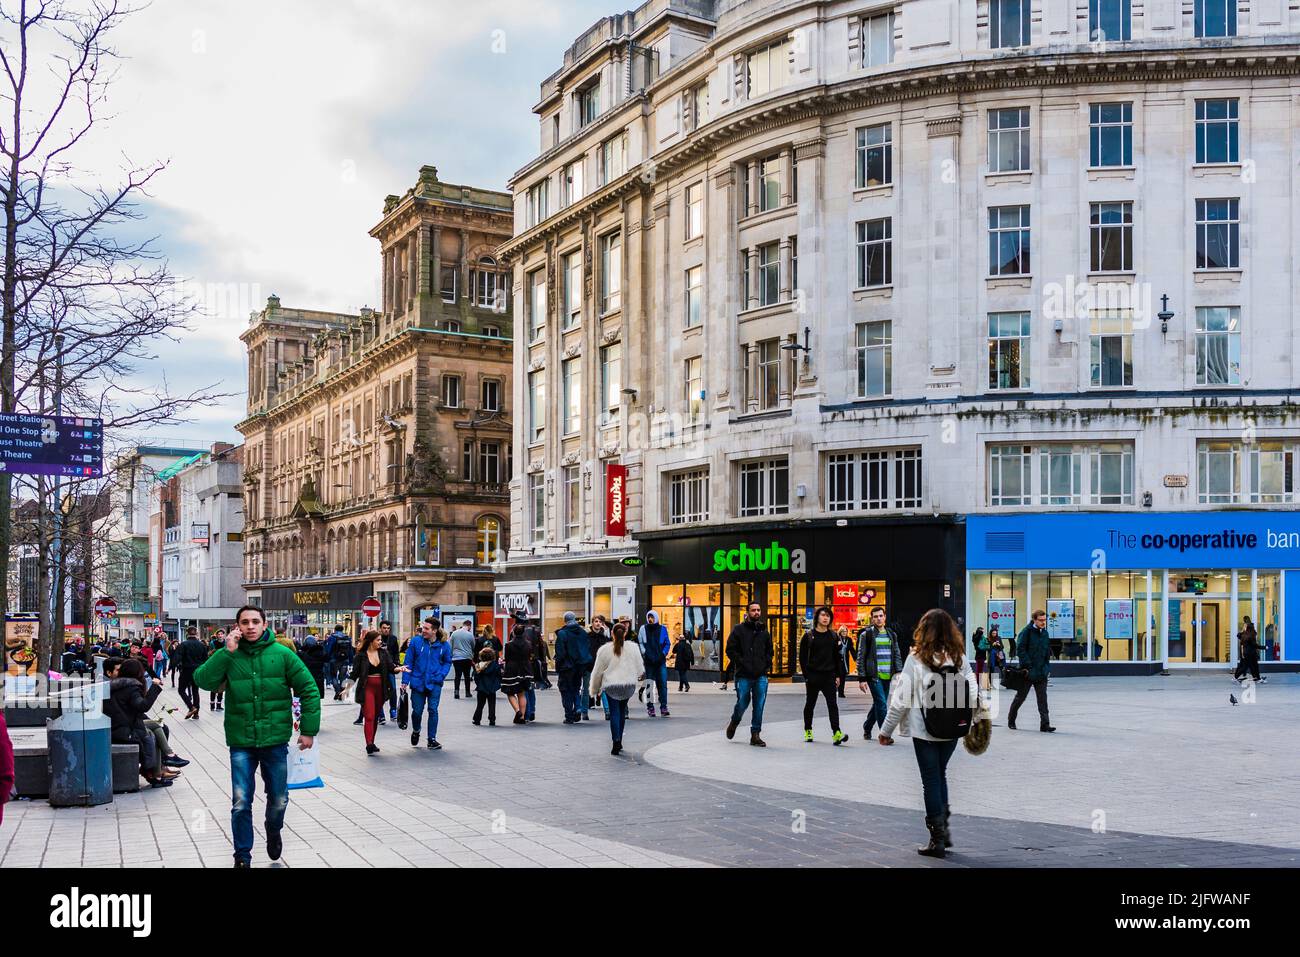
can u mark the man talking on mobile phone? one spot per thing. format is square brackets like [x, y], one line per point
[262, 677]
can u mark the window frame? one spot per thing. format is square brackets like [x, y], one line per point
[769, 473]
[863, 155]
[865, 349]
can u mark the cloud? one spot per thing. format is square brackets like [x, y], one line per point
[285, 125]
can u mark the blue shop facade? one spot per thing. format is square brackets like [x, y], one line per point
[1140, 592]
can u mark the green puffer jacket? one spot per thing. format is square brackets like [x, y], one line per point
[261, 679]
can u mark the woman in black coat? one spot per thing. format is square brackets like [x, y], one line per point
[372, 672]
[126, 706]
[517, 673]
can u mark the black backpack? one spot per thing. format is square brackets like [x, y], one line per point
[341, 648]
[945, 704]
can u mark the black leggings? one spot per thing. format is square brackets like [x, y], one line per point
[486, 699]
[683, 678]
[820, 684]
[463, 670]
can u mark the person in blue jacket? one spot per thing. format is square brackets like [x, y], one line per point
[338, 659]
[572, 656]
[653, 639]
[428, 660]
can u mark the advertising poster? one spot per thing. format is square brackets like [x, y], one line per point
[1060, 618]
[1119, 619]
[1002, 615]
[20, 644]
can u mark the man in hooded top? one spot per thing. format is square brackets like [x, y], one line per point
[655, 645]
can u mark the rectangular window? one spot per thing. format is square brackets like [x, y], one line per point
[694, 296]
[694, 379]
[1060, 475]
[694, 210]
[1008, 23]
[1111, 474]
[767, 69]
[769, 183]
[451, 391]
[697, 107]
[1112, 349]
[1008, 350]
[1009, 474]
[489, 463]
[571, 184]
[1216, 18]
[450, 282]
[769, 274]
[571, 375]
[1216, 131]
[1009, 140]
[875, 347]
[873, 481]
[538, 203]
[1218, 234]
[490, 395]
[875, 253]
[1109, 21]
[878, 40]
[875, 156]
[536, 508]
[572, 502]
[613, 159]
[1218, 345]
[588, 104]
[536, 406]
[764, 487]
[1110, 134]
[1272, 473]
[467, 460]
[1111, 231]
[688, 497]
[1218, 473]
[1009, 241]
[611, 273]
[611, 382]
[769, 374]
[536, 304]
[572, 294]
[486, 285]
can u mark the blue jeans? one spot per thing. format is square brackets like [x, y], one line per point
[336, 672]
[932, 758]
[418, 698]
[275, 781]
[879, 702]
[584, 690]
[659, 675]
[617, 718]
[570, 681]
[750, 690]
[530, 703]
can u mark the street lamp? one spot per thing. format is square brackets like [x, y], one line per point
[806, 348]
[1164, 316]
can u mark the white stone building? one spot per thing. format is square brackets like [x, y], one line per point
[885, 285]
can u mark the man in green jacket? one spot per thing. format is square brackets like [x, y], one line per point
[261, 678]
[1035, 654]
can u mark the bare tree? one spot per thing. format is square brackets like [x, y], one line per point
[80, 305]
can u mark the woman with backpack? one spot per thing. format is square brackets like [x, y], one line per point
[938, 657]
[981, 645]
[615, 674]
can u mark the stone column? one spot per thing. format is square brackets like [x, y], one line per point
[787, 176]
[436, 278]
[785, 271]
[943, 289]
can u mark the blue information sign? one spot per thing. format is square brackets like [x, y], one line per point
[51, 445]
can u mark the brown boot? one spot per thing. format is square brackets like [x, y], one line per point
[731, 728]
[756, 741]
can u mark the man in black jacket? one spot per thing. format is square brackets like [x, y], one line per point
[193, 653]
[749, 655]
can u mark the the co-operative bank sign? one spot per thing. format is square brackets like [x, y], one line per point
[1134, 541]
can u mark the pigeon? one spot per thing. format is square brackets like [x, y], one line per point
[1233, 699]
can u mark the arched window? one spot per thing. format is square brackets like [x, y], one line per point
[488, 286]
[489, 539]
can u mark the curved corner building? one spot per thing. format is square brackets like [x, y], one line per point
[981, 304]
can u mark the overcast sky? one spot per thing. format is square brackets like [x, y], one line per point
[284, 126]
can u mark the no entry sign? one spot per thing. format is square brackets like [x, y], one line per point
[371, 608]
[105, 608]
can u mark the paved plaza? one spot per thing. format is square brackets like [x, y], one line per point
[1153, 771]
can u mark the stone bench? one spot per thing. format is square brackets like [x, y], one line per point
[32, 765]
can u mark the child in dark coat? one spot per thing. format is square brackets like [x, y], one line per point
[487, 678]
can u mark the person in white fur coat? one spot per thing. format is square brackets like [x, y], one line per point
[618, 670]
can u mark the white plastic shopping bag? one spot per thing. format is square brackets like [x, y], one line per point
[304, 766]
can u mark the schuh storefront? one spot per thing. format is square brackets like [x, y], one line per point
[1136, 593]
[701, 585]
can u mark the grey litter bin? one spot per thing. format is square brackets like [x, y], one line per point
[81, 749]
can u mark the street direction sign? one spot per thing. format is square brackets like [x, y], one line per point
[51, 445]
